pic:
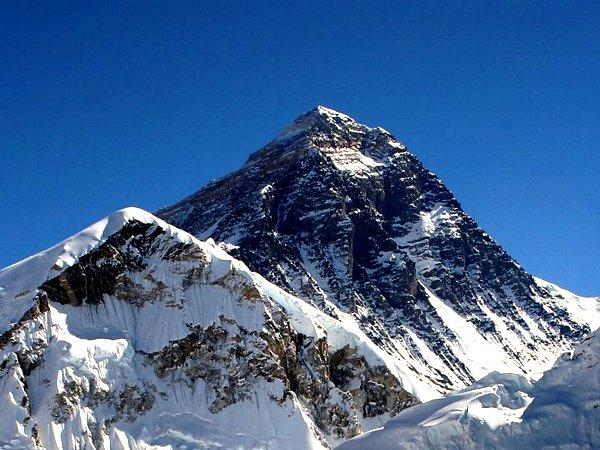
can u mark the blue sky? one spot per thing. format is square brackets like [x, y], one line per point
[107, 105]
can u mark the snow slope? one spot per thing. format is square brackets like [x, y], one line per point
[504, 411]
[133, 334]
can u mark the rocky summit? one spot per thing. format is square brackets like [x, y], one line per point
[345, 217]
[330, 283]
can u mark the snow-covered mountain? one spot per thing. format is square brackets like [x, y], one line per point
[133, 333]
[345, 217]
[326, 286]
[504, 411]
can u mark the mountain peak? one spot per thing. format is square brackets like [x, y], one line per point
[328, 112]
[320, 118]
[344, 216]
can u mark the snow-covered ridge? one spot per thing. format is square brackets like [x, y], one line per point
[20, 280]
[133, 333]
[583, 309]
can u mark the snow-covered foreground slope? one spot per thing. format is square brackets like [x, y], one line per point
[504, 411]
[133, 334]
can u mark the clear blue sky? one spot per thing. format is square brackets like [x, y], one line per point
[141, 103]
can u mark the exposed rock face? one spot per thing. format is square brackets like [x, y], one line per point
[345, 217]
[151, 324]
[376, 390]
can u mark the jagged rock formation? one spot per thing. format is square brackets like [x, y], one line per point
[133, 333]
[345, 217]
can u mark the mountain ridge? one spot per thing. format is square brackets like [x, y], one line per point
[86, 364]
[343, 215]
[327, 285]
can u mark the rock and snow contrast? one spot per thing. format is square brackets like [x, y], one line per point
[329, 284]
[133, 333]
[345, 217]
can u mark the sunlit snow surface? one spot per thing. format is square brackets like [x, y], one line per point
[103, 343]
[504, 411]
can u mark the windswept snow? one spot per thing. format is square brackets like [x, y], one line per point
[308, 120]
[504, 411]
